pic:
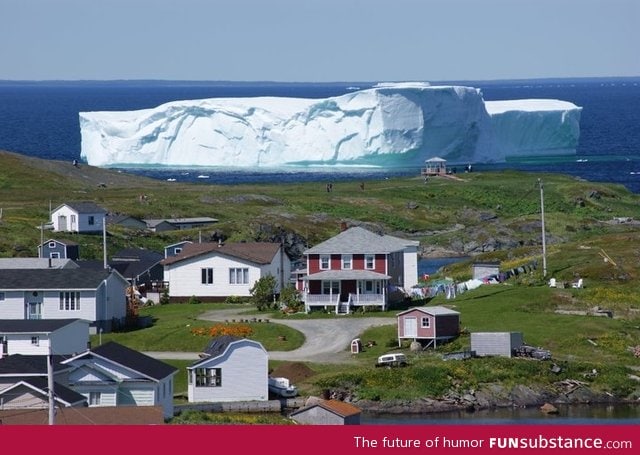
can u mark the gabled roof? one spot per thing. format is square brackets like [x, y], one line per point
[60, 241]
[131, 359]
[357, 240]
[431, 310]
[153, 222]
[29, 365]
[51, 279]
[256, 252]
[61, 393]
[339, 408]
[116, 219]
[133, 262]
[34, 325]
[219, 346]
[83, 207]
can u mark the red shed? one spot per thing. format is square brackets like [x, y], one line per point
[432, 323]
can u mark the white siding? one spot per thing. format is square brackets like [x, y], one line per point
[138, 395]
[12, 307]
[51, 306]
[244, 375]
[21, 344]
[81, 223]
[185, 278]
[495, 343]
[23, 397]
[410, 267]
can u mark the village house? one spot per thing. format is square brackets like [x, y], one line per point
[358, 268]
[175, 248]
[215, 271]
[231, 369]
[37, 263]
[97, 296]
[431, 325]
[126, 221]
[59, 249]
[173, 224]
[114, 375]
[81, 217]
[43, 336]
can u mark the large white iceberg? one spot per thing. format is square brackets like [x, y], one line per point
[389, 125]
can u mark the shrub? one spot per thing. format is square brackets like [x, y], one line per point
[193, 300]
[263, 292]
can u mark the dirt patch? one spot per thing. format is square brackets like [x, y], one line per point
[294, 371]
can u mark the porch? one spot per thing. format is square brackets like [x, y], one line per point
[339, 306]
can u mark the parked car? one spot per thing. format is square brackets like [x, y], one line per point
[392, 360]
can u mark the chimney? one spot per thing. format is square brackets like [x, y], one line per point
[343, 226]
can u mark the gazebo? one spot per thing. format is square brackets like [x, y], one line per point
[434, 166]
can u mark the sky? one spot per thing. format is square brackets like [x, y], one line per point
[318, 40]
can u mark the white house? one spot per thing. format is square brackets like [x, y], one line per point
[114, 375]
[216, 271]
[97, 296]
[43, 336]
[81, 217]
[232, 369]
[32, 393]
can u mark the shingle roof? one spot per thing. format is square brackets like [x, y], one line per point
[337, 407]
[51, 279]
[357, 240]
[33, 325]
[29, 365]
[431, 310]
[84, 207]
[218, 346]
[256, 252]
[135, 360]
[36, 263]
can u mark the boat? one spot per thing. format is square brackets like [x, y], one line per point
[282, 387]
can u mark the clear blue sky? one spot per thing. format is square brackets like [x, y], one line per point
[318, 40]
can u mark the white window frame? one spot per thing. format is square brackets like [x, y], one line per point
[52, 244]
[35, 340]
[347, 261]
[54, 255]
[425, 322]
[369, 261]
[330, 287]
[206, 276]
[239, 275]
[208, 377]
[325, 262]
[95, 398]
[69, 301]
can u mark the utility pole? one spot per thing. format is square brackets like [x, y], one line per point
[52, 412]
[544, 242]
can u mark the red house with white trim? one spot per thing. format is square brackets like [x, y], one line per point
[358, 268]
[436, 324]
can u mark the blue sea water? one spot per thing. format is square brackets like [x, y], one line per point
[41, 119]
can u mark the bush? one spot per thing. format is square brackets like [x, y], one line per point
[290, 299]
[193, 300]
[263, 292]
[234, 300]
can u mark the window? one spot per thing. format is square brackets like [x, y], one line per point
[69, 301]
[72, 218]
[35, 341]
[331, 287]
[346, 261]
[55, 255]
[238, 276]
[208, 377]
[325, 262]
[426, 323]
[1, 296]
[207, 275]
[52, 244]
[92, 220]
[94, 398]
[369, 261]
[177, 250]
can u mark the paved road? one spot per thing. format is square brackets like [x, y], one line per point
[326, 340]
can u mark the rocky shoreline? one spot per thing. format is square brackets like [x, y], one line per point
[489, 396]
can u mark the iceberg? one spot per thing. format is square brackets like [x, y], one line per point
[388, 125]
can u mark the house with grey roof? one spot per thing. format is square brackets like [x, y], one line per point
[173, 224]
[115, 375]
[97, 296]
[358, 268]
[230, 369]
[59, 249]
[43, 336]
[83, 217]
[37, 263]
[215, 271]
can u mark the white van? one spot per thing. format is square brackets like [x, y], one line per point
[392, 360]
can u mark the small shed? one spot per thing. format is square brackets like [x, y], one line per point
[434, 166]
[501, 344]
[327, 412]
[435, 324]
[484, 269]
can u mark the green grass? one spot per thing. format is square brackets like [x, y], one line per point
[173, 327]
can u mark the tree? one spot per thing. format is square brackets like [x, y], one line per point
[263, 291]
[290, 298]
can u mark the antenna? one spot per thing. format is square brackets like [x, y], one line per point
[544, 242]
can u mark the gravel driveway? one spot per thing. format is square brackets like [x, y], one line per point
[326, 340]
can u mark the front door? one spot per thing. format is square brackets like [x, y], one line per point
[411, 327]
[62, 223]
[35, 310]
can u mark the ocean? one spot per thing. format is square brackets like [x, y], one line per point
[41, 119]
